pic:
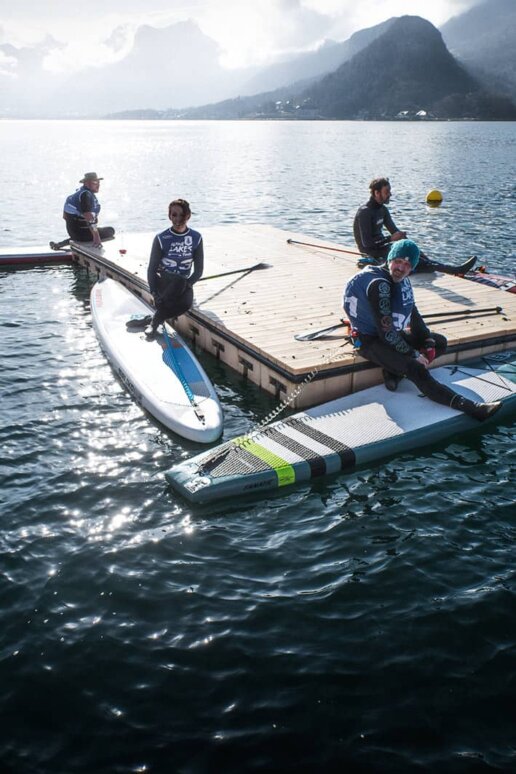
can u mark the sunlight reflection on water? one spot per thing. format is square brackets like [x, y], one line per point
[364, 612]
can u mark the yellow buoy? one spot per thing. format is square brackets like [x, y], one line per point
[434, 197]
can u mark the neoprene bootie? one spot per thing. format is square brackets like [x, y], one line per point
[58, 245]
[480, 411]
[391, 380]
[448, 268]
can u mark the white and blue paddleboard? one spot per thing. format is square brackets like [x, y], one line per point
[163, 375]
[346, 432]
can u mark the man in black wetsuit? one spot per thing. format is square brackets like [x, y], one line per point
[368, 226]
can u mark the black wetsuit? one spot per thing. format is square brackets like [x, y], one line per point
[369, 221]
[368, 226]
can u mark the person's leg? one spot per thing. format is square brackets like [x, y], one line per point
[78, 230]
[106, 233]
[59, 245]
[420, 342]
[401, 365]
[441, 343]
[426, 265]
[175, 298]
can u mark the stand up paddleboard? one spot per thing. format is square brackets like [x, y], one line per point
[33, 256]
[349, 431]
[162, 375]
[500, 281]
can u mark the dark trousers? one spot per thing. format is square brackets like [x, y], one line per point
[79, 231]
[175, 297]
[386, 357]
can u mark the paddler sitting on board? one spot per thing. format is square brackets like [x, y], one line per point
[176, 263]
[368, 226]
[81, 211]
[389, 331]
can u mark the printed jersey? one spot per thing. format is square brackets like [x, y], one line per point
[83, 200]
[178, 251]
[174, 253]
[394, 299]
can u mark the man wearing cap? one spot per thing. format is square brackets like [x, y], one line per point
[389, 331]
[81, 211]
[370, 220]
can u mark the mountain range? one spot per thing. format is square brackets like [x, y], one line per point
[400, 67]
[484, 40]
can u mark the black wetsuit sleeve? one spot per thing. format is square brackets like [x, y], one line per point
[379, 295]
[388, 222]
[154, 261]
[198, 262]
[86, 202]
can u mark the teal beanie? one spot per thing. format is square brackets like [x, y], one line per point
[404, 248]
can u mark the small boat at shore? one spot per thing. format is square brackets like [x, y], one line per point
[33, 256]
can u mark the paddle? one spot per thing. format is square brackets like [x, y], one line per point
[171, 360]
[311, 335]
[256, 267]
[324, 247]
[461, 312]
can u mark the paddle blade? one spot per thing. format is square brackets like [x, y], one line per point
[311, 335]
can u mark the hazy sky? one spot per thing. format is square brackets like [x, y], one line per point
[249, 32]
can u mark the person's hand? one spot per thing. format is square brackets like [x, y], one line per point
[429, 350]
[398, 235]
[423, 360]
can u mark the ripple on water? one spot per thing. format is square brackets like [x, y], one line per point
[366, 617]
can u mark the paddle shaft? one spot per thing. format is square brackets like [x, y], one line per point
[180, 375]
[459, 313]
[236, 271]
[324, 247]
[462, 312]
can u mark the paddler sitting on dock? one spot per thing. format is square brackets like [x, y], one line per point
[81, 210]
[176, 263]
[368, 226]
[389, 331]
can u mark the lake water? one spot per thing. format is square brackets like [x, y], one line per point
[363, 622]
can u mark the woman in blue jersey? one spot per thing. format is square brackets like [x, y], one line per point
[176, 263]
[391, 333]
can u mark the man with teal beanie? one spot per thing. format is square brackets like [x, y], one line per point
[390, 332]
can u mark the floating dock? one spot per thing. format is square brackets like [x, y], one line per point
[32, 256]
[248, 320]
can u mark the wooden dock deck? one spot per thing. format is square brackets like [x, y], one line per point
[249, 320]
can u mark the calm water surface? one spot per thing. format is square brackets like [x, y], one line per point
[365, 621]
